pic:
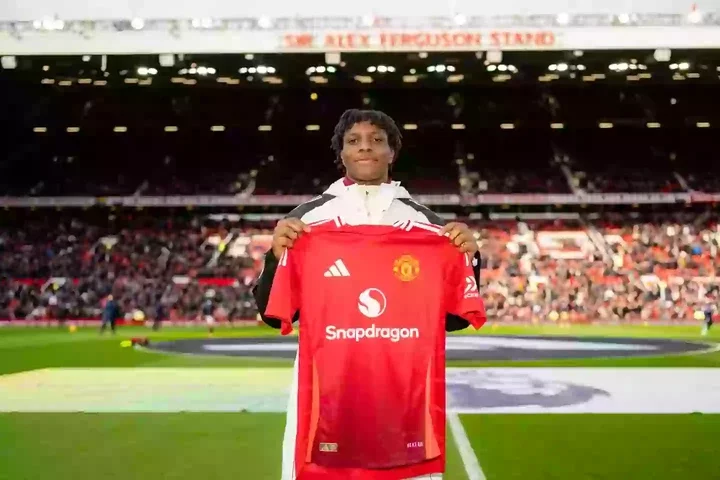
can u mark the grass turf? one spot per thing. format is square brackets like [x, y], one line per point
[177, 446]
[596, 447]
[185, 446]
[31, 348]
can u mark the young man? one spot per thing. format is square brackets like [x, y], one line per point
[366, 144]
[160, 314]
[708, 311]
[111, 312]
[208, 313]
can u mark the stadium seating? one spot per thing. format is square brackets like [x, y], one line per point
[196, 140]
[662, 268]
[484, 135]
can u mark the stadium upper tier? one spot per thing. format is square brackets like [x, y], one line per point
[655, 268]
[76, 128]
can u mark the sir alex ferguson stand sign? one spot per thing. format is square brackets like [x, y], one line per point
[428, 40]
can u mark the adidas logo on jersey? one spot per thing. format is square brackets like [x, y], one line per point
[337, 269]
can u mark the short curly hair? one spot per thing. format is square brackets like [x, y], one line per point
[375, 117]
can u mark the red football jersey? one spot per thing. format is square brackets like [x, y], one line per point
[371, 366]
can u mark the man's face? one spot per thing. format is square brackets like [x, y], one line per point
[366, 153]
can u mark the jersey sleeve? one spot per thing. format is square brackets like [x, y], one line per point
[284, 299]
[463, 293]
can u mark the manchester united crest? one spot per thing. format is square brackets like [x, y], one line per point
[406, 268]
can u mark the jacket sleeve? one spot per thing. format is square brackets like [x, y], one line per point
[261, 290]
[454, 323]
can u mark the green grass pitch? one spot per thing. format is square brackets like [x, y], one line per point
[187, 446]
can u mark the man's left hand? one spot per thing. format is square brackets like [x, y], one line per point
[461, 236]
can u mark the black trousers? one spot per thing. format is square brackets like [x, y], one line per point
[105, 324]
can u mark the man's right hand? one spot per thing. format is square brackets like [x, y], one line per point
[286, 232]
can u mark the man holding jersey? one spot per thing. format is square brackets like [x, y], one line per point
[366, 144]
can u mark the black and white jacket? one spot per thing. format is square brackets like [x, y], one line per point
[356, 205]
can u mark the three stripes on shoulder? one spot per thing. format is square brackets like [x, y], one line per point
[337, 269]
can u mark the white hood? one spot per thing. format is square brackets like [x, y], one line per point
[366, 204]
[340, 189]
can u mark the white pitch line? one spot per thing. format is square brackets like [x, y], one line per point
[470, 462]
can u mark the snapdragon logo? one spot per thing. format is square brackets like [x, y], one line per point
[373, 331]
[372, 303]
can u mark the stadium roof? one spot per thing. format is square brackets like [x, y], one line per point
[420, 69]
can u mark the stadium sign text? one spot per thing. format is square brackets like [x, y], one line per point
[230, 36]
[447, 40]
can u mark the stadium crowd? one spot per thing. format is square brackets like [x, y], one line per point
[68, 268]
[663, 269]
[642, 271]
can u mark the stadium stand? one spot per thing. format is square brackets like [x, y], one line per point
[496, 135]
[611, 269]
[534, 140]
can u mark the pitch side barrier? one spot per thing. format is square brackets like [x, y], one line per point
[294, 200]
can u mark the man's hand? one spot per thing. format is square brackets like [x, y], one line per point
[461, 236]
[286, 232]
